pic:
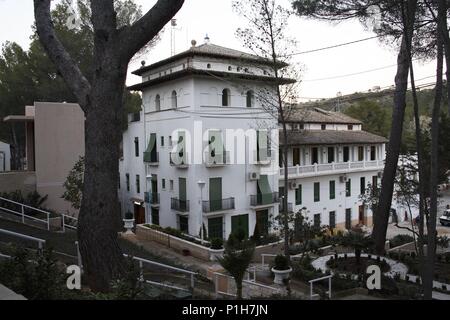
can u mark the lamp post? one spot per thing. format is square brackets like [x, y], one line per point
[201, 184]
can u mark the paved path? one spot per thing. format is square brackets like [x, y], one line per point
[7, 294]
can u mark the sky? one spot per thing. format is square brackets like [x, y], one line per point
[217, 19]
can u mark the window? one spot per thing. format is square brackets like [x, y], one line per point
[298, 195]
[136, 147]
[215, 228]
[127, 179]
[317, 221]
[296, 157]
[208, 66]
[333, 219]
[330, 154]
[315, 155]
[246, 70]
[348, 219]
[174, 100]
[158, 102]
[316, 191]
[361, 153]
[375, 183]
[170, 141]
[250, 98]
[171, 185]
[362, 188]
[302, 126]
[240, 223]
[346, 154]
[323, 127]
[230, 68]
[155, 216]
[332, 190]
[350, 127]
[348, 188]
[162, 141]
[184, 224]
[373, 153]
[138, 184]
[226, 98]
[163, 184]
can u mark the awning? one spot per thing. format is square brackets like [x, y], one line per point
[265, 192]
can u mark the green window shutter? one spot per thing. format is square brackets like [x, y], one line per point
[264, 190]
[298, 195]
[215, 193]
[215, 228]
[316, 191]
[348, 188]
[182, 189]
[332, 190]
[150, 153]
[262, 222]
[239, 222]
[262, 145]
[362, 188]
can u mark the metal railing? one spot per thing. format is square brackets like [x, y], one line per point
[218, 205]
[215, 159]
[311, 286]
[290, 207]
[299, 171]
[262, 156]
[248, 282]
[178, 159]
[179, 205]
[151, 158]
[21, 210]
[264, 199]
[40, 242]
[154, 198]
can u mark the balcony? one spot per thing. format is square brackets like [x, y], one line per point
[218, 205]
[154, 199]
[151, 158]
[290, 206]
[264, 199]
[331, 168]
[217, 159]
[179, 160]
[179, 205]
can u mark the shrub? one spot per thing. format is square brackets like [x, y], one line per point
[401, 239]
[281, 263]
[129, 215]
[217, 244]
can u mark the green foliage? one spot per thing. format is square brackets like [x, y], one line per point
[376, 118]
[216, 243]
[357, 240]
[281, 263]
[128, 287]
[74, 184]
[400, 239]
[129, 215]
[237, 258]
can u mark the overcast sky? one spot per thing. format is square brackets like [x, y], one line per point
[217, 19]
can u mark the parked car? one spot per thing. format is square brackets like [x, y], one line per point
[445, 218]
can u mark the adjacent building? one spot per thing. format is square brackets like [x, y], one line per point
[203, 154]
[5, 157]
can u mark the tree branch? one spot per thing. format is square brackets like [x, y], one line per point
[67, 67]
[145, 29]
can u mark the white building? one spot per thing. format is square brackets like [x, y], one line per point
[5, 157]
[204, 150]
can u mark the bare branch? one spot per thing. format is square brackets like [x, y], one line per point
[145, 29]
[66, 66]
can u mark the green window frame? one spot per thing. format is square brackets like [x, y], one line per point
[316, 191]
[138, 184]
[240, 222]
[348, 188]
[332, 189]
[298, 195]
[127, 178]
[362, 188]
[215, 228]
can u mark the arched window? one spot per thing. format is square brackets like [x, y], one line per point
[230, 68]
[250, 99]
[208, 65]
[174, 99]
[158, 102]
[226, 98]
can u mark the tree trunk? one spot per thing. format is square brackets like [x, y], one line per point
[358, 256]
[239, 290]
[285, 198]
[381, 217]
[99, 213]
[431, 223]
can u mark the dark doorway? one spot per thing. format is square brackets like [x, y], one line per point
[139, 214]
[362, 215]
[315, 155]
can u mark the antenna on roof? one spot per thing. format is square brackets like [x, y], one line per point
[207, 40]
[173, 24]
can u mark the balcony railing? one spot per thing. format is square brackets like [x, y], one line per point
[262, 157]
[178, 159]
[179, 205]
[290, 206]
[341, 167]
[218, 205]
[214, 159]
[264, 199]
[152, 158]
[154, 198]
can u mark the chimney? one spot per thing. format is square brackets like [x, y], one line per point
[207, 40]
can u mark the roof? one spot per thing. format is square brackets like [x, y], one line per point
[207, 50]
[329, 137]
[18, 119]
[210, 73]
[317, 115]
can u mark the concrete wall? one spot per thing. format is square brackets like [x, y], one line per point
[59, 142]
[11, 181]
[5, 157]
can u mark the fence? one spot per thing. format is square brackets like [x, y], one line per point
[311, 286]
[40, 242]
[224, 285]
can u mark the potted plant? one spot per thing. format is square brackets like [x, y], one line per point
[281, 269]
[216, 250]
[129, 222]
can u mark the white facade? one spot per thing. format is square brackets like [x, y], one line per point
[5, 157]
[190, 109]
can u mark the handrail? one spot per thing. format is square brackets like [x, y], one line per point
[41, 242]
